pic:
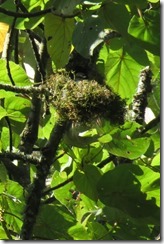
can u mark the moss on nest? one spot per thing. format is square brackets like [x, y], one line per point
[85, 100]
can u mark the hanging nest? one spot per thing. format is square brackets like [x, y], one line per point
[84, 100]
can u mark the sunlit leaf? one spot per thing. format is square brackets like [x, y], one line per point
[147, 29]
[18, 74]
[105, 138]
[58, 32]
[125, 144]
[15, 107]
[121, 70]
[3, 112]
[79, 232]
[12, 200]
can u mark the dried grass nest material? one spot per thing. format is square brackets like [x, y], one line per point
[84, 100]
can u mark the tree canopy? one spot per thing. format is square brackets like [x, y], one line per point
[79, 120]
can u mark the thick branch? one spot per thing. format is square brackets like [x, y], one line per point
[19, 156]
[140, 99]
[34, 199]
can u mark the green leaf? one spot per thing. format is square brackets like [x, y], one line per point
[3, 173]
[120, 188]
[85, 181]
[131, 149]
[63, 194]
[147, 29]
[15, 106]
[156, 160]
[3, 112]
[117, 17]
[150, 184]
[34, 4]
[58, 32]
[12, 201]
[154, 1]
[98, 231]
[3, 234]
[33, 22]
[105, 138]
[79, 232]
[53, 223]
[121, 71]
[18, 74]
[125, 142]
[88, 32]
[139, 229]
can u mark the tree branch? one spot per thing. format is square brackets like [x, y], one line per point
[29, 90]
[19, 156]
[25, 15]
[151, 124]
[34, 198]
[37, 14]
[140, 98]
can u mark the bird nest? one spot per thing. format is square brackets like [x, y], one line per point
[84, 100]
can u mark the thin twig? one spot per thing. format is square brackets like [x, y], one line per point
[151, 124]
[37, 14]
[10, 133]
[58, 186]
[25, 15]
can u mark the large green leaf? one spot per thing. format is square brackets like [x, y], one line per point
[89, 33]
[127, 143]
[120, 188]
[147, 29]
[85, 181]
[15, 107]
[121, 71]
[117, 17]
[53, 223]
[58, 32]
[18, 74]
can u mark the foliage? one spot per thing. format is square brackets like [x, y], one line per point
[79, 153]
